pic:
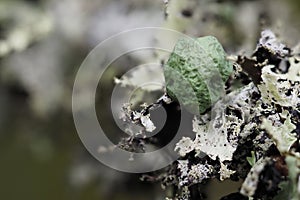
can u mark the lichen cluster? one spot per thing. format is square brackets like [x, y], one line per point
[252, 133]
[249, 133]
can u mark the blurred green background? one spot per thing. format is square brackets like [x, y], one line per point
[42, 44]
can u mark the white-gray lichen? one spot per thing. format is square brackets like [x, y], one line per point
[190, 175]
[269, 41]
[251, 132]
[225, 173]
[184, 146]
[250, 184]
[264, 114]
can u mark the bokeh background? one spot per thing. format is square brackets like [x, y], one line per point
[42, 45]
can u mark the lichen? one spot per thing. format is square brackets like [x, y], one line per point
[281, 135]
[225, 173]
[290, 188]
[250, 121]
[282, 89]
[192, 67]
[219, 138]
[184, 146]
[250, 184]
[248, 130]
[194, 174]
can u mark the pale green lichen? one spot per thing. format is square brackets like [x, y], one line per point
[254, 125]
[278, 88]
[196, 71]
[282, 135]
[259, 114]
[290, 188]
[214, 144]
[250, 184]
[219, 138]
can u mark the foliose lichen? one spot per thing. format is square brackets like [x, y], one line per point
[251, 131]
[196, 71]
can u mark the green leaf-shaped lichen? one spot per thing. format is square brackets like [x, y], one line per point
[196, 71]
